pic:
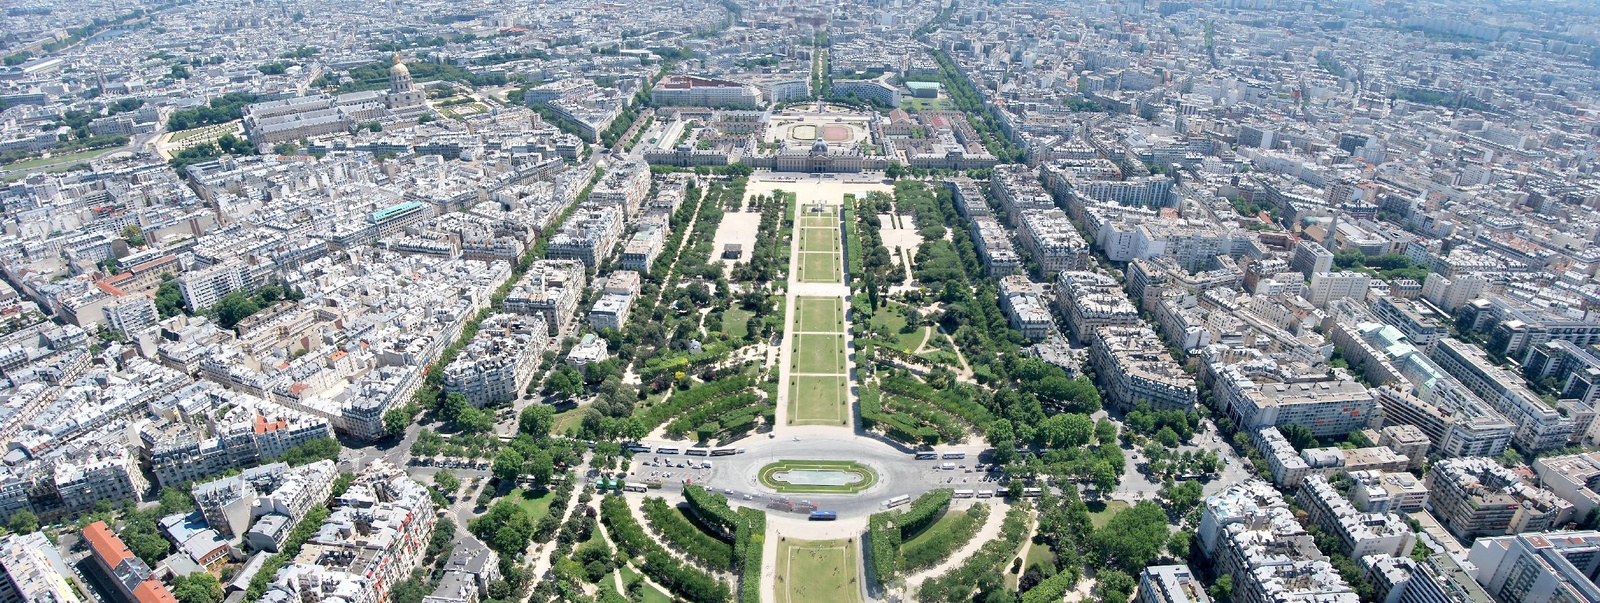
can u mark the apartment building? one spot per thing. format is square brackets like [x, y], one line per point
[588, 235]
[372, 541]
[1023, 302]
[1450, 293]
[1249, 533]
[877, 90]
[1170, 584]
[467, 573]
[1408, 441]
[250, 431]
[1550, 566]
[204, 287]
[107, 473]
[130, 314]
[1575, 370]
[1476, 497]
[284, 501]
[1261, 393]
[1376, 491]
[1573, 477]
[550, 288]
[228, 503]
[1515, 327]
[624, 185]
[1437, 578]
[500, 361]
[1053, 241]
[1311, 259]
[1360, 534]
[127, 574]
[994, 245]
[1420, 323]
[1016, 188]
[1135, 368]
[1327, 286]
[690, 91]
[968, 197]
[1539, 426]
[640, 251]
[1090, 300]
[31, 571]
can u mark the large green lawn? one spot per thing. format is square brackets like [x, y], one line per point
[60, 159]
[567, 420]
[819, 315]
[912, 104]
[820, 267]
[537, 504]
[819, 354]
[892, 319]
[824, 571]
[735, 322]
[819, 239]
[213, 131]
[650, 594]
[818, 400]
[1101, 512]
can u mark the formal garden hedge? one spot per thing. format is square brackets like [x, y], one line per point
[680, 532]
[957, 584]
[943, 539]
[887, 530]
[654, 560]
[748, 529]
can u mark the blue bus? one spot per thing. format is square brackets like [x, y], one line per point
[824, 516]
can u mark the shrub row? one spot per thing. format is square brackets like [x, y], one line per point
[1052, 588]
[682, 401]
[712, 509]
[950, 401]
[852, 239]
[685, 581]
[748, 544]
[949, 429]
[897, 427]
[682, 533]
[884, 539]
[943, 539]
[748, 527]
[547, 526]
[666, 365]
[958, 584]
[888, 529]
[718, 409]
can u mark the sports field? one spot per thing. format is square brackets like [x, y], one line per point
[817, 570]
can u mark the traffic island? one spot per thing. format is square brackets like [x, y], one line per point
[817, 477]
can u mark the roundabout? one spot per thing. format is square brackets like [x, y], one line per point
[857, 474]
[817, 477]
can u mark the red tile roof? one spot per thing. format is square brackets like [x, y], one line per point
[152, 591]
[105, 544]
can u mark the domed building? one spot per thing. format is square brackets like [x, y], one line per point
[271, 122]
[402, 92]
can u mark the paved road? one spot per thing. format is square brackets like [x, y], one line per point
[1136, 486]
[897, 472]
